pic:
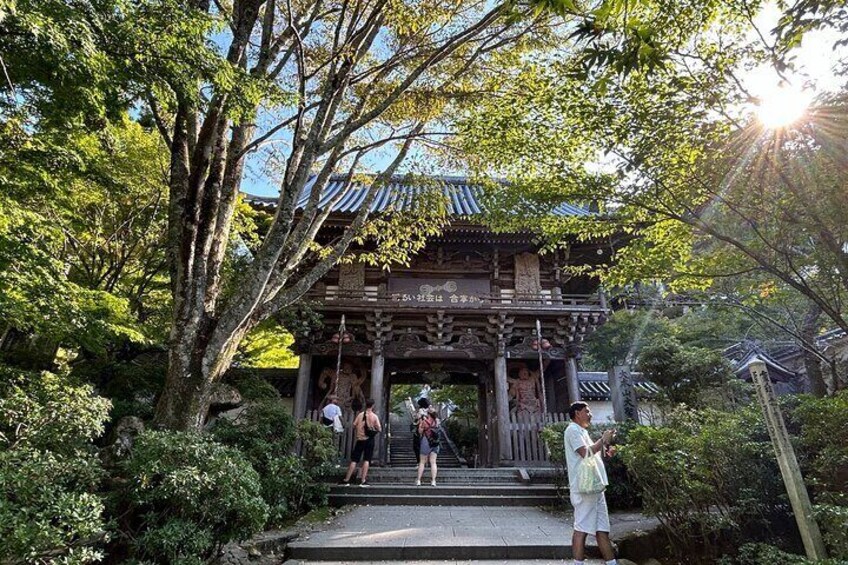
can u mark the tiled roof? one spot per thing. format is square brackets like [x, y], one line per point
[595, 386]
[464, 198]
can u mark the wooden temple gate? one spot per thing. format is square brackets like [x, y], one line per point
[467, 307]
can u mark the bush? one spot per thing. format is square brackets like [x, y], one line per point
[318, 446]
[263, 430]
[49, 471]
[823, 424]
[131, 385]
[291, 489]
[265, 433]
[705, 477]
[253, 388]
[185, 496]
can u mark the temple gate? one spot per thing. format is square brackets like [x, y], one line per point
[468, 307]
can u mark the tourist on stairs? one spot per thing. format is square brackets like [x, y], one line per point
[430, 432]
[366, 426]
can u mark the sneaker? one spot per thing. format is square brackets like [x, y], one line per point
[433, 483]
[418, 483]
[364, 484]
[344, 483]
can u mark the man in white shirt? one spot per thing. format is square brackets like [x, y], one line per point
[590, 510]
[330, 411]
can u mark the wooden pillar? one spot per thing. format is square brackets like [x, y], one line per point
[502, 401]
[301, 393]
[788, 463]
[571, 379]
[483, 448]
[378, 364]
[623, 394]
[550, 393]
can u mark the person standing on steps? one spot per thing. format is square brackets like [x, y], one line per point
[423, 405]
[590, 510]
[430, 432]
[366, 426]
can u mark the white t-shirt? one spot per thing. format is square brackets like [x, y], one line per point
[330, 411]
[576, 437]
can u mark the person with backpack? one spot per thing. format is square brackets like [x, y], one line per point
[366, 426]
[429, 428]
[423, 405]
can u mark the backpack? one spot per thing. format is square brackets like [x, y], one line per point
[369, 432]
[433, 433]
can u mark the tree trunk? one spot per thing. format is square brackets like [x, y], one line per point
[195, 365]
[812, 362]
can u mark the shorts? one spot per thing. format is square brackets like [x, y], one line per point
[426, 450]
[363, 447]
[590, 513]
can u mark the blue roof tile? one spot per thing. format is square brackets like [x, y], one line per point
[463, 199]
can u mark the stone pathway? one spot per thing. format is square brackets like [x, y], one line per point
[464, 533]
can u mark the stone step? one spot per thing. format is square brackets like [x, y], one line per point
[451, 490]
[459, 476]
[451, 533]
[358, 495]
[467, 562]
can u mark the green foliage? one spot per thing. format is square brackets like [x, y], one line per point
[319, 449]
[252, 387]
[186, 495]
[291, 488]
[395, 238]
[706, 472]
[683, 372]
[763, 554]
[49, 471]
[824, 437]
[263, 431]
[621, 338]
[267, 346]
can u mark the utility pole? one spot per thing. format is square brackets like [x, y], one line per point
[788, 463]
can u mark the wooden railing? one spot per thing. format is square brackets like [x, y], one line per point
[528, 447]
[545, 300]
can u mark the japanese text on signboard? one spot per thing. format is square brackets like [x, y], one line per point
[452, 291]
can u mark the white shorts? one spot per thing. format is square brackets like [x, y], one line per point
[590, 513]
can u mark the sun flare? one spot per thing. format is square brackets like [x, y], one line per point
[782, 106]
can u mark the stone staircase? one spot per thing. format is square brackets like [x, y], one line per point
[455, 487]
[401, 453]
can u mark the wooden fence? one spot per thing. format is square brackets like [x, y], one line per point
[525, 433]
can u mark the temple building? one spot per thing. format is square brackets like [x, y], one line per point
[467, 310]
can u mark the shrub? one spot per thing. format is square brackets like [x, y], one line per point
[318, 447]
[49, 471]
[253, 388]
[263, 430]
[290, 485]
[703, 475]
[291, 489]
[823, 424]
[186, 495]
[464, 436]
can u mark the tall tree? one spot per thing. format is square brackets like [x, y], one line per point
[698, 193]
[332, 81]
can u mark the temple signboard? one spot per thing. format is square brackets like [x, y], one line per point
[446, 291]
